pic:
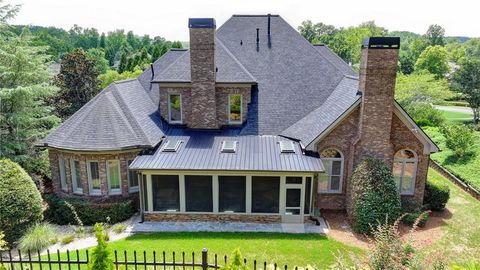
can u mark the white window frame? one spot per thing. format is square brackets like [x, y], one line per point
[75, 187]
[235, 122]
[132, 189]
[114, 191]
[330, 164]
[93, 192]
[170, 107]
[404, 161]
[62, 174]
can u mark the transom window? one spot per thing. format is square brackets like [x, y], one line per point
[331, 180]
[76, 176]
[175, 108]
[404, 170]
[235, 108]
[93, 177]
[113, 176]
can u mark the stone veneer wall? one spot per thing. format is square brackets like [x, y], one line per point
[221, 100]
[213, 217]
[342, 138]
[54, 156]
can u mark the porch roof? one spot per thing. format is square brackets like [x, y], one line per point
[201, 150]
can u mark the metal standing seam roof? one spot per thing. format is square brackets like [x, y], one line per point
[201, 150]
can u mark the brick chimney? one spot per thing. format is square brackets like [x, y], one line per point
[202, 68]
[378, 71]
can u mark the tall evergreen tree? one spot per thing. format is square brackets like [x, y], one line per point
[156, 53]
[77, 81]
[101, 43]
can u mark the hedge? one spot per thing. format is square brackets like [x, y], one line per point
[20, 201]
[436, 195]
[410, 219]
[89, 212]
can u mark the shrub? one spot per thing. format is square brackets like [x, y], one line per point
[88, 212]
[459, 138]
[425, 114]
[3, 244]
[119, 228]
[410, 218]
[67, 239]
[375, 195]
[38, 237]
[20, 201]
[436, 195]
[101, 253]
[236, 262]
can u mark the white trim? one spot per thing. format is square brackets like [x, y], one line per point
[403, 162]
[73, 173]
[93, 192]
[169, 109]
[215, 193]
[63, 174]
[235, 122]
[114, 191]
[329, 189]
[248, 193]
[149, 192]
[181, 193]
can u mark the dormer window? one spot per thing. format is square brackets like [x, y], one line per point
[235, 108]
[229, 146]
[171, 146]
[175, 108]
[286, 147]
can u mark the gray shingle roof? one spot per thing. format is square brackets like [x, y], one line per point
[335, 60]
[229, 69]
[201, 150]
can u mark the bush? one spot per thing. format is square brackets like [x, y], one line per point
[425, 114]
[3, 244]
[459, 138]
[410, 219]
[38, 237]
[236, 262]
[375, 195]
[20, 201]
[436, 195]
[67, 239]
[88, 212]
[119, 228]
[101, 253]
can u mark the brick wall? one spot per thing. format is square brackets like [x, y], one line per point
[102, 158]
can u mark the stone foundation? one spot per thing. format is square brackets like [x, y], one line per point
[192, 217]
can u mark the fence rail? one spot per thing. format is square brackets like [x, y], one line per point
[76, 260]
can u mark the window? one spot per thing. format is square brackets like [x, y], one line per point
[331, 180]
[132, 179]
[175, 108]
[232, 194]
[113, 176]
[76, 176]
[63, 176]
[171, 146]
[286, 147]
[166, 194]
[265, 194]
[404, 170]
[229, 146]
[235, 109]
[93, 177]
[198, 193]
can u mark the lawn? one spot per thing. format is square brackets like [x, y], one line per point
[457, 117]
[461, 239]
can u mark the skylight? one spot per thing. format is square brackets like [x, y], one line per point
[286, 147]
[171, 146]
[229, 146]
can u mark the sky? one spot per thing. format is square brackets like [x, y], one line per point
[169, 18]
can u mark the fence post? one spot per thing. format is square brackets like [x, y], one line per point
[204, 259]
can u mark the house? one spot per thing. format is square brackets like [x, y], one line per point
[252, 123]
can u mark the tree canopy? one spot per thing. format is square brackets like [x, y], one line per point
[466, 80]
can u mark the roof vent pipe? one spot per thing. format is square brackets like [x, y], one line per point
[268, 32]
[258, 40]
[153, 72]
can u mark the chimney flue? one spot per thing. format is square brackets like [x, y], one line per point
[268, 32]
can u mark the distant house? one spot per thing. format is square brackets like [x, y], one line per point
[252, 123]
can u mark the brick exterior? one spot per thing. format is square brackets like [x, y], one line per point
[202, 66]
[102, 158]
[213, 217]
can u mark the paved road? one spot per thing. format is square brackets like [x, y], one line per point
[455, 109]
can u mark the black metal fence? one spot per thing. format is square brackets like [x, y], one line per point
[76, 260]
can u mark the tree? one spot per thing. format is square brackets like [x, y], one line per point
[112, 75]
[472, 48]
[101, 253]
[102, 41]
[77, 81]
[7, 11]
[156, 53]
[459, 138]
[466, 80]
[20, 201]
[177, 45]
[421, 87]
[98, 55]
[307, 30]
[435, 34]
[434, 60]
[25, 116]
[455, 52]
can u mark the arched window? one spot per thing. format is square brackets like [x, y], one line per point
[405, 170]
[331, 180]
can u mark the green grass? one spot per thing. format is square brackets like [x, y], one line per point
[457, 117]
[467, 169]
[461, 227]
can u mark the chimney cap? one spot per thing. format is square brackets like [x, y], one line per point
[381, 43]
[201, 23]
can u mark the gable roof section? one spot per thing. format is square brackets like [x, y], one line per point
[122, 116]
[201, 150]
[341, 100]
[229, 69]
[338, 62]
